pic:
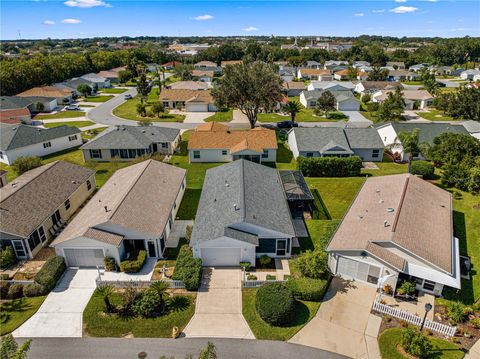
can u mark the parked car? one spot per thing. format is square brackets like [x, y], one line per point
[72, 108]
[287, 124]
[128, 97]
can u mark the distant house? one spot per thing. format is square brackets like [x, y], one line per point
[190, 100]
[129, 142]
[313, 65]
[208, 66]
[170, 65]
[287, 73]
[331, 86]
[414, 99]
[98, 80]
[14, 110]
[371, 87]
[152, 67]
[418, 67]
[398, 228]
[214, 142]
[360, 64]
[203, 75]
[336, 141]
[134, 210]
[63, 96]
[314, 74]
[37, 204]
[24, 140]
[188, 85]
[32, 104]
[344, 100]
[402, 75]
[73, 84]
[112, 75]
[427, 132]
[243, 214]
[293, 88]
[332, 64]
[224, 64]
[397, 65]
[344, 75]
[469, 74]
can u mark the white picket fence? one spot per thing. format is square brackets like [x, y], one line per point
[258, 283]
[444, 329]
[175, 284]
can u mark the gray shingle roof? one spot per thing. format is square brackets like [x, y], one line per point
[237, 193]
[326, 140]
[14, 102]
[363, 138]
[128, 137]
[17, 136]
[339, 95]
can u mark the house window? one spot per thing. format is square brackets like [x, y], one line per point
[224, 152]
[72, 138]
[67, 204]
[132, 153]
[429, 285]
[47, 144]
[309, 154]
[375, 153]
[196, 154]
[41, 233]
[265, 154]
[281, 247]
[164, 145]
[19, 249]
[34, 240]
[89, 185]
[95, 153]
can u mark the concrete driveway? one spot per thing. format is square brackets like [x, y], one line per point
[356, 116]
[218, 311]
[61, 313]
[193, 117]
[343, 323]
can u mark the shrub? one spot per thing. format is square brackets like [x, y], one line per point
[134, 265]
[406, 287]
[275, 304]
[4, 276]
[264, 260]
[313, 264]
[188, 232]
[7, 257]
[330, 166]
[423, 168]
[475, 322]
[188, 269]
[246, 266]
[50, 273]
[4, 286]
[415, 343]
[110, 264]
[456, 312]
[15, 291]
[271, 277]
[147, 303]
[252, 277]
[27, 163]
[307, 288]
[33, 290]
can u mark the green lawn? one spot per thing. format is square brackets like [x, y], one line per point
[304, 312]
[434, 115]
[221, 116]
[188, 207]
[128, 110]
[179, 311]
[96, 99]
[61, 114]
[113, 90]
[88, 135]
[15, 312]
[390, 338]
[305, 115]
[69, 124]
[387, 168]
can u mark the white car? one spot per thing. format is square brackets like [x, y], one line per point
[72, 108]
[128, 97]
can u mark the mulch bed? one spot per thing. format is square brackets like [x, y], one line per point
[473, 334]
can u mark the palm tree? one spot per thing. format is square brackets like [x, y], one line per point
[292, 107]
[161, 287]
[105, 290]
[410, 143]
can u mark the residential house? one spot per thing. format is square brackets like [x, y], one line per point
[332, 64]
[331, 86]
[134, 210]
[203, 75]
[151, 67]
[314, 74]
[402, 75]
[214, 142]
[440, 70]
[129, 142]
[344, 100]
[476, 78]
[188, 85]
[3, 178]
[171, 65]
[418, 67]
[313, 65]
[360, 64]
[469, 74]
[414, 99]
[428, 131]
[208, 66]
[398, 228]
[337, 142]
[224, 64]
[293, 88]
[243, 214]
[72, 85]
[112, 75]
[63, 96]
[37, 204]
[98, 80]
[190, 100]
[371, 87]
[397, 65]
[31, 104]
[287, 73]
[16, 116]
[18, 140]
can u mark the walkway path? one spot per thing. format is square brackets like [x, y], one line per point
[218, 311]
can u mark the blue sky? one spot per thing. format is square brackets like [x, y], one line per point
[36, 19]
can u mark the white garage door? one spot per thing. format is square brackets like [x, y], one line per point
[84, 257]
[219, 257]
[196, 107]
[364, 272]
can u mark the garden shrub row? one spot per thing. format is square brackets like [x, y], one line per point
[329, 166]
[7, 257]
[50, 273]
[188, 269]
[423, 168]
[275, 304]
[134, 265]
[308, 289]
[110, 264]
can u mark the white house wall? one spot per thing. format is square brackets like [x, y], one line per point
[366, 154]
[215, 155]
[292, 143]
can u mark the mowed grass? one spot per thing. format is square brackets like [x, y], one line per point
[78, 124]
[96, 98]
[113, 90]
[61, 114]
[386, 169]
[390, 339]
[305, 115]
[128, 110]
[434, 115]
[304, 312]
[15, 312]
[97, 324]
[189, 205]
[221, 116]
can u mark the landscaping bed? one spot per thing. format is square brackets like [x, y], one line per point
[128, 110]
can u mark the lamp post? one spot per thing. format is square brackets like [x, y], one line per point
[428, 307]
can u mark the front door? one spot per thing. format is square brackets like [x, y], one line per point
[151, 249]
[281, 247]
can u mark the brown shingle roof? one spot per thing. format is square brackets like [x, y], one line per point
[198, 73]
[185, 95]
[31, 198]
[231, 62]
[103, 236]
[46, 91]
[294, 85]
[212, 126]
[13, 116]
[315, 72]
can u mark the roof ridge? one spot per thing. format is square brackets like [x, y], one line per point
[400, 205]
[242, 189]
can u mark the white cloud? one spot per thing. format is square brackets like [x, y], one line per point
[85, 4]
[250, 29]
[359, 14]
[404, 9]
[203, 17]
[400, 0]
[49, 22]
[378, 11]
[71, 21]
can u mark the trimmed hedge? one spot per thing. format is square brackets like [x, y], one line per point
[307, 288]
[4, 287]
[50, 273]
[188, 269]
[134, 265]
[33, 290]
[422, 168]
[7, 257]
[275, 304]
[110, 264]
[15, 291]
[329, 166]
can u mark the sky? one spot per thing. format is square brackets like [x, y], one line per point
[38, 19]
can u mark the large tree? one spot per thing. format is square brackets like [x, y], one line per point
[377, 74]
[392, 108]
[325, 103]
[411, 144]
[84, 89]
[142, 86]
[454, 148]
[250, 88]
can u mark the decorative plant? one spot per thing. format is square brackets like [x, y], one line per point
[407, 288]
[387, 289]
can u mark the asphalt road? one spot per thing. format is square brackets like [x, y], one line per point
[111, 348]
